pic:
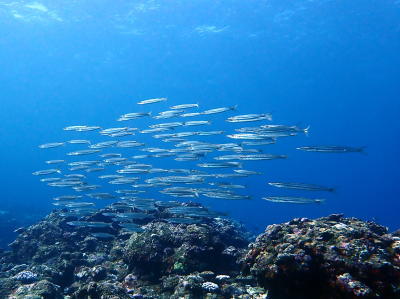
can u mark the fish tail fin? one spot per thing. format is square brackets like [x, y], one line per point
[362, 150]
[306, 130]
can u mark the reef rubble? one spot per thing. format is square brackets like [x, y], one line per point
[329, 257]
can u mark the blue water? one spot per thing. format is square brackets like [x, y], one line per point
[333, 65]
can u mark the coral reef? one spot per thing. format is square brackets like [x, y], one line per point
[169, 248]
[53, 258]
[330, 257]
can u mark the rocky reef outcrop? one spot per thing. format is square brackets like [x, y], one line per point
[329, 257]
[165, 248]
[54, 259]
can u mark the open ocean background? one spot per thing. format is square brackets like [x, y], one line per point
[333, 65]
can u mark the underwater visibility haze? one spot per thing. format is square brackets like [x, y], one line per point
[330, 67]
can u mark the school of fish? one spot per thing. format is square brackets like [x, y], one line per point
[131, 167]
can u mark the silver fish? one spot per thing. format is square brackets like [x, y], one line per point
[48, 180]
[75, 176]
[101, 195]
[154, 130]
[67, 197]
[302, 186]
[184, 106]
[141, 156]
[331, 149]
[219, 110]
[220, 165]
[197, 123]
[168, 114]
[77, 163]
[132, 170]
[52, 145]
[113, 130]
[46, 171]
[167, 125]
[173, 140]
[111, 155]
[103, 144]
[129, 144]
[290, 199]
[79, 204]
[227, 157]
[111, 176]
[83, 152]
[191, 114]
[124, 181]
[248, 136]
[134, 115]
[79, 141]
[81, 128]
[151, 101]
[249, 117]
[246, 172]
[115, 160]
[121, 134]
[54, 161]
[74, 128]
[265, 141]
[209, 133]
[86, 188]
[95, 169]
[261, 157]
